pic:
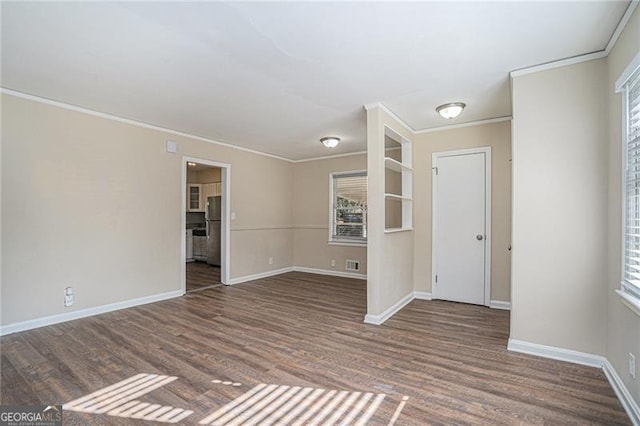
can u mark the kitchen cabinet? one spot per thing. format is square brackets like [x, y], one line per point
[210, 190]
[189, 245]
[200, 248]
[194, 198]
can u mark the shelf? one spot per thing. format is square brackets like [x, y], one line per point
[395, 165]
[397, 197]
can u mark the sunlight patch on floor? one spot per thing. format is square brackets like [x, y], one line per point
[263, 405]
[120, 400]
[272, 404]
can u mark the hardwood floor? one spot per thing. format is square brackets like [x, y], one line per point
[200, 275]
[294, 348]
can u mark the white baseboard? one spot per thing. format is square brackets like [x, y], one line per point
[259, 275]
[422, 295]
[590, 360]
[330, 272]
[379, 319]
[623, 394]
[500, 304]
[556, 353]
[83, 313]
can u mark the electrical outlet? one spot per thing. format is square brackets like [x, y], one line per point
[271, 261]
[68, 296]
[632, 365]
[333, 263]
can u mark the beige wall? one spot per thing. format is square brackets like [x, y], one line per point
[622, 325]
[560, 207]
[389, 255]
[498, 137]
[311, 215]
[96, 204]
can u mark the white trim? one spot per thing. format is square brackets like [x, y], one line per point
[83, 313]
[83, 110]
[629, 301]
[328, 157]
[392, 114]
[395, 230]
[586, 57]
[626, 74]
[553, 352]
[422, 295]
[347, 243]
[500, 304]
[259, 275]
[381, 318]
[225, 237]
[487, 205]
[621, 25]
[106, 116]
[330, 272]
[582, 358]
[558, 64]
[467, 124]
[623, 186]
[621, 391]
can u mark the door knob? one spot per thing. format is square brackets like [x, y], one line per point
[479, 237]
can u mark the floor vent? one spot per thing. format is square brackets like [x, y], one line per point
[352, 265]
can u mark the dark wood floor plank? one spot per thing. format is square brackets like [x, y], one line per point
[448, 359]
[201, 275]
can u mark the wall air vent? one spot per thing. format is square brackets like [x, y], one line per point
[352, 265]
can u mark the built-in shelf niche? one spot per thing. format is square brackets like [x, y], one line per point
[398, 182]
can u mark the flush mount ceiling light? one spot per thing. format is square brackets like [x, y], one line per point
[451, 110]
[330, 141]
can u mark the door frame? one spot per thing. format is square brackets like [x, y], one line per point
[225, 234]
[487, 218]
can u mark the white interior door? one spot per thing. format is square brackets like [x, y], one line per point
[461, 229]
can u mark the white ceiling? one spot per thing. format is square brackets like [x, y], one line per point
[276, 77]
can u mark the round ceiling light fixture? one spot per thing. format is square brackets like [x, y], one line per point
[451, 110]
[330, 141]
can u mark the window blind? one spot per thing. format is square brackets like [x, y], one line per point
[349, 221]
[631, 280]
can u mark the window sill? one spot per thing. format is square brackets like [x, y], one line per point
[347, 243]
[393, 230]
[629, 301]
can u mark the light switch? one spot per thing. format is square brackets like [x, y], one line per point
[233, 215]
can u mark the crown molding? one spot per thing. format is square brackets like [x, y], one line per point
[328, 157]
[558, 64]
[621, 25]
[137, 123]
[461, 125]
[586, 57]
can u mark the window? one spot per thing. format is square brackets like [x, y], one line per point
[349, 207]
[631, 272]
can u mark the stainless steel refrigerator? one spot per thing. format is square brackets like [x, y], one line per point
[213, 216]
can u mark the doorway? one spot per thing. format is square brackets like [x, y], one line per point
[205, 224]
[461, 226]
